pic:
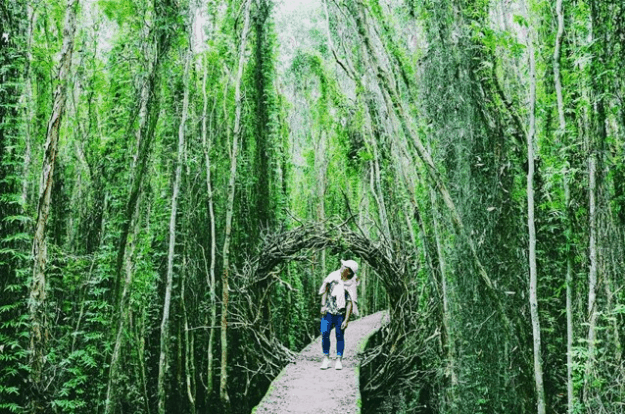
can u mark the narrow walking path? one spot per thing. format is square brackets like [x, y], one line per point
[303, 387]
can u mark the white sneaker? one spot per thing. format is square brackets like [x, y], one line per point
[339, 364]
[326, 363]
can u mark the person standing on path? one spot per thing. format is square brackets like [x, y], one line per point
[338, 303]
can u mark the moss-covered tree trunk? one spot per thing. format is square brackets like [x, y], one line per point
[38, 294]
[164, 337]
[567, 192]
[210, 274]
[225, 295]
[531, 225]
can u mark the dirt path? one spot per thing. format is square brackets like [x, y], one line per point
[303, 387]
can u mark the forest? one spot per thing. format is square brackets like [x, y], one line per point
[177, 178]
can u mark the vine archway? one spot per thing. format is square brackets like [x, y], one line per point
[391, 265]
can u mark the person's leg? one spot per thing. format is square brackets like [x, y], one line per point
[340, 342]
[326, 326]
[340, 337]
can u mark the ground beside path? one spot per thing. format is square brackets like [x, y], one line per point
[302, 387]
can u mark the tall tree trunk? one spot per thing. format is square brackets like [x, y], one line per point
[163, 359]
[533, 293]
[364, 276]
[189, 369]
[610, 295]
[567, 193]
[140, 343]
[556, 66]
[148, 118]
[210, 275]
[148, 114]
[591, 146]
[376, 189]
[451, 348]
[263, 131]
[111, 397]
[569, 303]
[139, 166]
[28, 105]
[321, 167]
[394, 104]
[36, 302]
[223, 390]
[592, 274]
[407, 176]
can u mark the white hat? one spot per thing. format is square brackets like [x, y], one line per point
[351, 264]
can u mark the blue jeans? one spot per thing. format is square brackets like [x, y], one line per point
[327, 322]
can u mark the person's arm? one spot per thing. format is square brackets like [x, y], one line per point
[347, 315]
[324, 299]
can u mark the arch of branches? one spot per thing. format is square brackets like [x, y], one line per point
[399, 356]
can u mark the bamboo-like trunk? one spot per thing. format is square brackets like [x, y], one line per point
[321, 165]
[451, 349]
[610, 293]
[374, 194]
[556, 66]
[376, 190]
[111, 399]
[416, 214]
[223, 385]
[148, 116]
[121, 292]
[82, 301]
[373, 133]
[592, 273]
[162, 364]
[210, 275]
[569, 305]
[37, 299]
[594, 135]
[567, 194]
[363, 300]
[533, 285]
[394, 103]
[188, 345]
[28, 105]
[140, 342]
[139, 167]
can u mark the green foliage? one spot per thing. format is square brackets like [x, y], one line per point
[14, 240]
[319, 140]
[119, 11]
